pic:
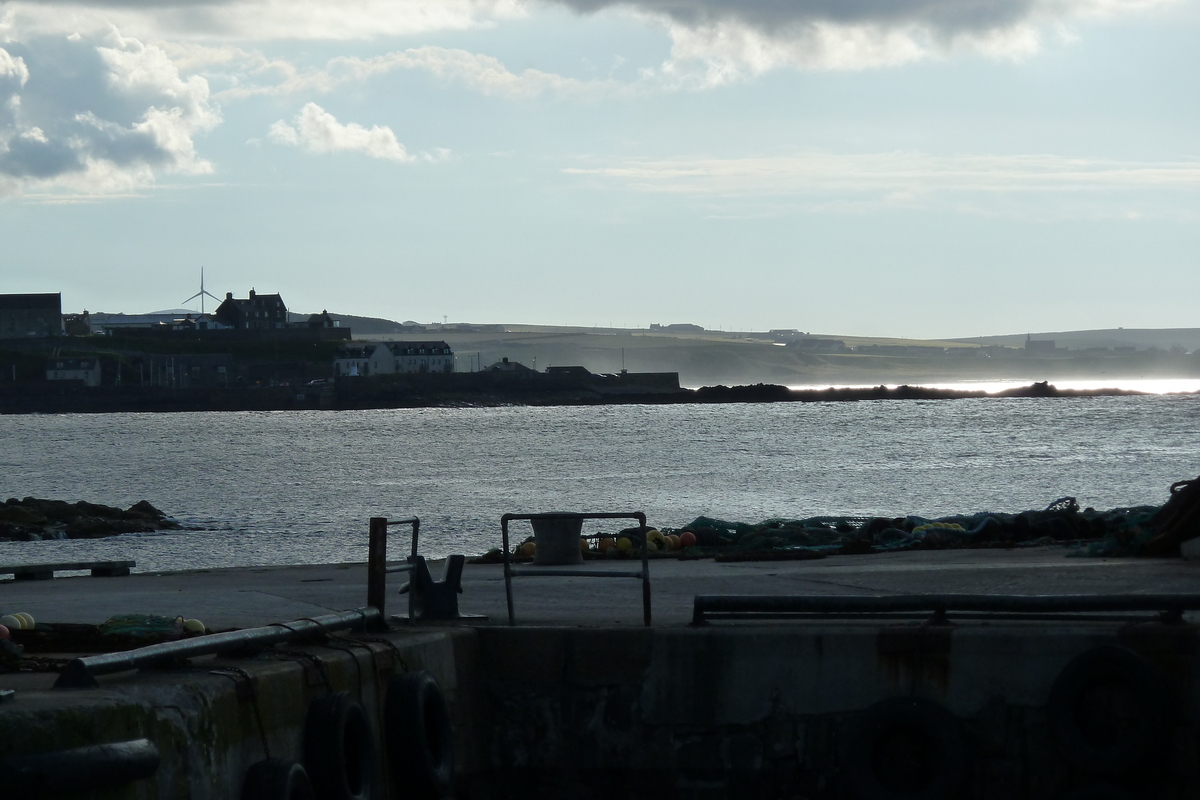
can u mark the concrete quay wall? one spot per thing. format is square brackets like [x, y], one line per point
[786, 712]
[212, 719]
[724, 711]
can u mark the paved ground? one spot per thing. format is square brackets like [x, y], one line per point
[245, 597]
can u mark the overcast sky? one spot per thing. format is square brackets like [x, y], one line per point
[915, 168]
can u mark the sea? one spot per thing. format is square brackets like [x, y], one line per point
[298, 487]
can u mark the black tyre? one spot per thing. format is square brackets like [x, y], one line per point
[1099, 793]
[340, 751]
[420, 738]
[906, 747]
[277, 779]
[1109, 712]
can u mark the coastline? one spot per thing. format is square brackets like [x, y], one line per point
[360, 395]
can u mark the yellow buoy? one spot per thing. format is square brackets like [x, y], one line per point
[607, 543]
[26, 621]
[624, 543]
[528, 549]
[193, 626]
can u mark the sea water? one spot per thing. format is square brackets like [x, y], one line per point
[298, 487]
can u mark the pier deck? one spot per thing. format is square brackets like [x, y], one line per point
[250, 596]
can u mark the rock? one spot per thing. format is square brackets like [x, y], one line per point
[90, 528]
[20, 515]
[143, 507]
[33, 519]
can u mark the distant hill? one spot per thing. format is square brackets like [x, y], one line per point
[1141, 338]
[361, 326]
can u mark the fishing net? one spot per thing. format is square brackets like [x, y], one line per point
[1120, 531]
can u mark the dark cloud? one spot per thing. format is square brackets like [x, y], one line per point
[778, 16]
[43, 160]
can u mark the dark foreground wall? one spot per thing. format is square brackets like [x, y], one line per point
[828, 711]
[807, 710]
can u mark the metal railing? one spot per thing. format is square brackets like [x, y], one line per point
[377, 566]
[708, 607]
[550, 572]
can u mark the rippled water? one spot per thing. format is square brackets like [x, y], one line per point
[298, 487]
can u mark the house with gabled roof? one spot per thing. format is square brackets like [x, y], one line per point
[256, 312]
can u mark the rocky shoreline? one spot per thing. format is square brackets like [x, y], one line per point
[33, 519]
[432, 391]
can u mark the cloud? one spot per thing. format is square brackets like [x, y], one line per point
[482, 73]
[721, 41]
[901, 179]
[92, 116]
[318, 131]
[260, 20]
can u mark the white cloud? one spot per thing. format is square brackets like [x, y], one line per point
[318, 131]
[481, 73]
[895, 178]
[258, 20]
[94, 117]
[13, 69]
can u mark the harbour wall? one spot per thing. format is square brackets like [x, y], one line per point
[813, 710]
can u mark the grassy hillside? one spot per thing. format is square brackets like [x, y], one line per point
[714, 357]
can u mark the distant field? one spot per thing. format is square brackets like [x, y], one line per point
[728, 357]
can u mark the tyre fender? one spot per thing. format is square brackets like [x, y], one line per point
[277, 779]
[1099, 792]
[1109, 712]
[420, 736]
[340, 751]
[906, 747]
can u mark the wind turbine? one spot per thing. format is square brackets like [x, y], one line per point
[202, 294]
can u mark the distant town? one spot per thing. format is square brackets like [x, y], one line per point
[252, 352]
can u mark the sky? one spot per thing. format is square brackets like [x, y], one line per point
[916, 168]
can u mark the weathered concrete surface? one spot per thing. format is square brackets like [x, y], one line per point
[214, 717]
[601, 707]
[248, 596]
[755, 711]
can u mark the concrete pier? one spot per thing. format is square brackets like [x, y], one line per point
[581, 700]
[249, 596]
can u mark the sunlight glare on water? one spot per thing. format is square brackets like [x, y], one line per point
[1147, 385]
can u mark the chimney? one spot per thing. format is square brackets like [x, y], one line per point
[251, 294]
[229, 295]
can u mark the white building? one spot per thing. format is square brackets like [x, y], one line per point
[387, 358]
[74, 369]
[422, 356]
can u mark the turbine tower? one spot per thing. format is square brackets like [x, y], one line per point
[202, 294]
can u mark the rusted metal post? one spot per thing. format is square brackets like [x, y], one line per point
[377, 563]
[507, 569]
[641, 518]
